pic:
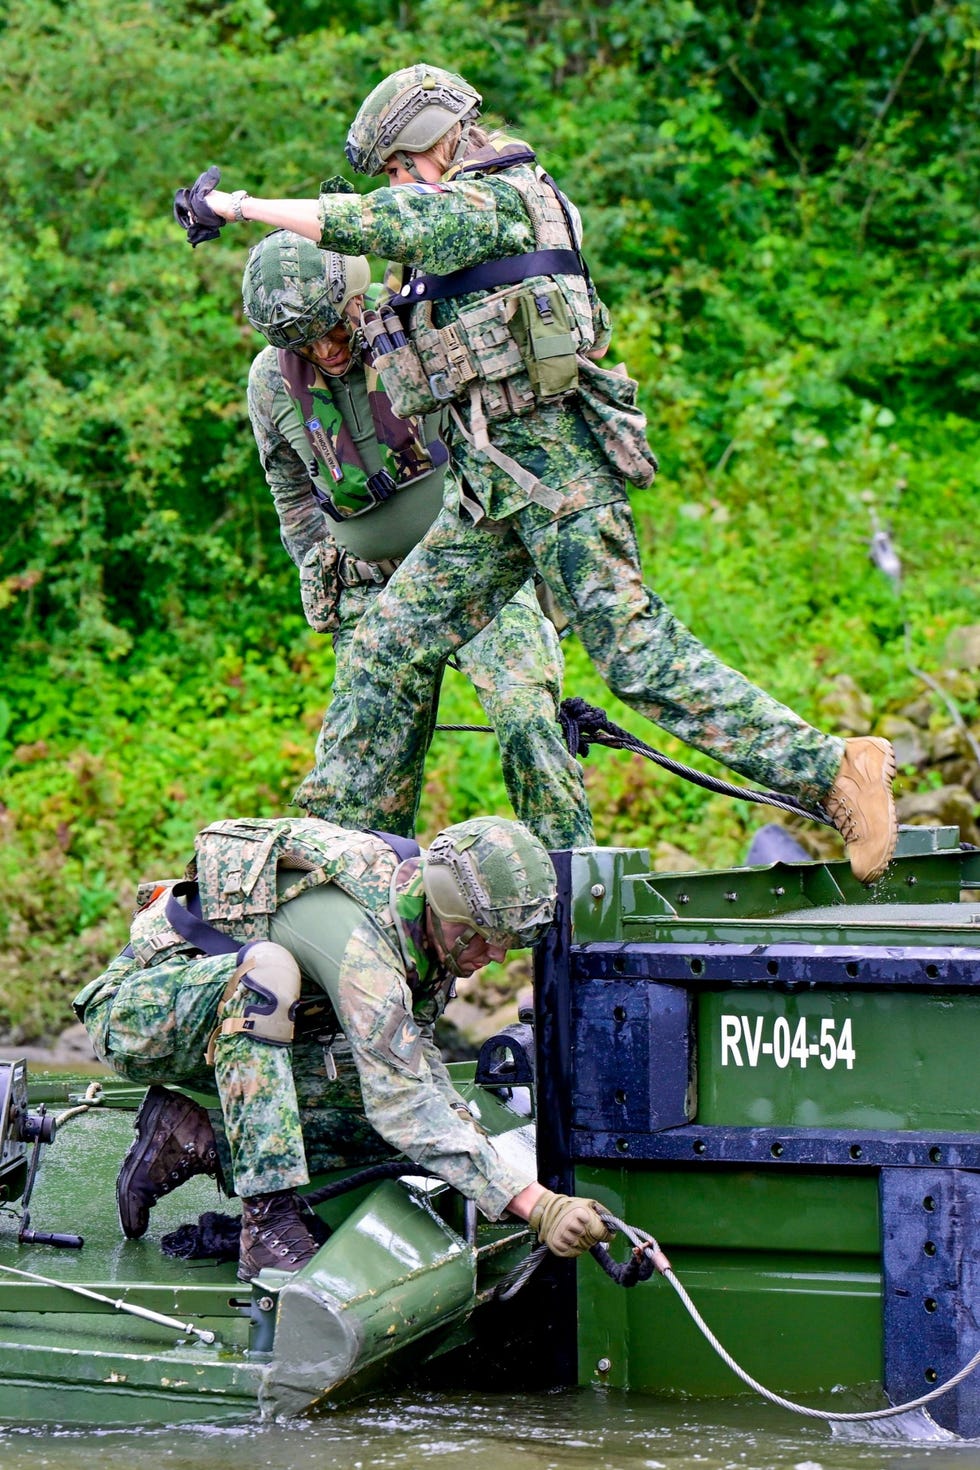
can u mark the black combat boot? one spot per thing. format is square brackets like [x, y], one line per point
[174, 1141]
[274, 1233]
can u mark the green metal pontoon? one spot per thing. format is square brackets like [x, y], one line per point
[773, 1071]
[113, 1331]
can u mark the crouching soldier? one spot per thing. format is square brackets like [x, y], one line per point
[299, 971]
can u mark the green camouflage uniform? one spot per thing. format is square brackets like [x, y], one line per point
[584, 549]
[515, 663]
[369, 1083]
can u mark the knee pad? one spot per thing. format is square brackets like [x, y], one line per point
[270, 974]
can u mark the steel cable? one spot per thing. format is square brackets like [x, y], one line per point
[647, 1244]
[646, 1248]
[584, 725]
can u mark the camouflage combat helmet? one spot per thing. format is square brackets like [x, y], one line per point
[408, 113]
[494, 876]
[293, 292]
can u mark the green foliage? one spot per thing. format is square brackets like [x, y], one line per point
[780, 206]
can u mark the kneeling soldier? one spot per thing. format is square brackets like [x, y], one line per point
[300, 973]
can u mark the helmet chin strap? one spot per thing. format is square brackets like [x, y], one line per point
[450, 953]
[407, 162]
[459, 152]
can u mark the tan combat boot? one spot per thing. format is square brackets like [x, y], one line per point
[174, 1141]
[862, 808]
[274, 1233]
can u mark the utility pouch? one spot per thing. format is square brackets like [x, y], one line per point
[486, 338]
[319, 585]
[608, 402]
[447, 362]
[542, 329]
[236, 870]
[405, 383]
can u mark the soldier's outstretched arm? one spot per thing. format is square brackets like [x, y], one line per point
[441, 227]
[302, 216]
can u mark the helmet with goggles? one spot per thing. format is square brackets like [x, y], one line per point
[493, 876]
[408, 113]
[295, 293]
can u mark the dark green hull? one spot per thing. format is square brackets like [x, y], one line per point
[774, 1072]
[401, 1281]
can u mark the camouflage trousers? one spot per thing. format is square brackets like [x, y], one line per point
[284, 1113]
[515, 665]
[372, 743]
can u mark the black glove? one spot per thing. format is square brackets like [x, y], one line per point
[191, 212]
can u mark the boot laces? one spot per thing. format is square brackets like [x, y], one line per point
[284, 1233]
[844, 817]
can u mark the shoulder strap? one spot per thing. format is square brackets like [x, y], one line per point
[583, 269]
[402, 847]
[191, 926]
[299, 377]
[494, 156]
[204, 936]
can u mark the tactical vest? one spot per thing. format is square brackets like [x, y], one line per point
[519, 342]
[236, 864]
[517, 345]
[365, 452]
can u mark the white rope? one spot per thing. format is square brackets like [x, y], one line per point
[647, 1243]
[775, 1398]
[93, 1096]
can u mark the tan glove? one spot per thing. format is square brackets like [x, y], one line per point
[567, 1224]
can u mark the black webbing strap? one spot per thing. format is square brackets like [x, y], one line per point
[192, 927]
[583, 269]
[507, 271]
[402, 847]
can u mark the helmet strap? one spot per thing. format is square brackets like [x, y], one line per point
[451, 953]
[407, 162]
[459, 152]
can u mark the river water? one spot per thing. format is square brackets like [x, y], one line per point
[589, 1428]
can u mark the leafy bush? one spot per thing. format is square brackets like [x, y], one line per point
[779, 204]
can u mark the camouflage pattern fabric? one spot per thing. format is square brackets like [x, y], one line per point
[515, 664]
[456, 578]
[285, 1112]
[585, 552]
[236, 863]
[444, 227]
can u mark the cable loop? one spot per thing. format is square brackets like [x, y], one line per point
[584, 725]
[93, 1096]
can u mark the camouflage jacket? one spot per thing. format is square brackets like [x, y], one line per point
[448, 226]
